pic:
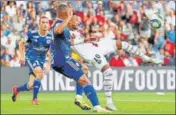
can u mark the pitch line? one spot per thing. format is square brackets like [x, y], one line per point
[64, 99]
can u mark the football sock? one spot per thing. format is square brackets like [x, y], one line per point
[24, 87]
[108, 83]
[134, 50]
[91, 94]
[37, 84]
[79, 90]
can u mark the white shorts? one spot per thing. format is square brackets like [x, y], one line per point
[96, 55]
[107, 46]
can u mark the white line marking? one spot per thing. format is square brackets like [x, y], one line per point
[64, 99]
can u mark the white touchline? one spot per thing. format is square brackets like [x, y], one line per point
[64, 99]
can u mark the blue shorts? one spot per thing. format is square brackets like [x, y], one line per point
[32, 64]
[71, 69]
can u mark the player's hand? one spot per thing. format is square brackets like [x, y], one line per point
[70, 13]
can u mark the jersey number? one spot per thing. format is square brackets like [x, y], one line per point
[97, 58]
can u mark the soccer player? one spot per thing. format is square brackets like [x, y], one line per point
[38, 45]
[95, 55]
[63, 62]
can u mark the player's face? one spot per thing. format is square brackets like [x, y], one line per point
[74, 22]
[44, 24]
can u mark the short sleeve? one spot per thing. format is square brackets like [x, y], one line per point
[28, 37]
[57, 23]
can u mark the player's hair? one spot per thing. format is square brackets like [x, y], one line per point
[42, 17]
[61, 10]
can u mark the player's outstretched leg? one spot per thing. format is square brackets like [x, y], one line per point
[91, 94]
[16, 90]
[108, 84]
[79, 101]
[26, 87]
[136, 51]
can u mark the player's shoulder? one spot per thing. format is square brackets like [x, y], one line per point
[33, 31]
[49, 35]
[57, 21]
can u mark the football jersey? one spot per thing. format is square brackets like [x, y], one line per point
[38, 45]
[61, 44]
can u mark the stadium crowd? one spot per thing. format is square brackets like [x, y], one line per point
[125, 20]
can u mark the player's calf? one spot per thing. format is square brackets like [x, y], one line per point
[90, 93]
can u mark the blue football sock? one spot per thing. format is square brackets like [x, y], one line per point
[91, 94]
[24, 87]
[79, 89]
[37, 84]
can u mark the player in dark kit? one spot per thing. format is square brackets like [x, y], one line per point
[62, 60]
[38, 45]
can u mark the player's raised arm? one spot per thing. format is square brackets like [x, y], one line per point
[65, 13]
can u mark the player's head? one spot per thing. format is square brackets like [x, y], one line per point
[74, 22]
[44, 23]
[62, 11]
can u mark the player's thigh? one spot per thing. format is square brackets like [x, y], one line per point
[35, 68]
[38, 71]
[107, 46]
[85, 51]
[99, 61]
[73, 69]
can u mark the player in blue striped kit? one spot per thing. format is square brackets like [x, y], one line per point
[63, 62]
[38, 45]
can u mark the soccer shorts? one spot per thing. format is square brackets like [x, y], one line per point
[32, 64]
[91, 54]
[107, 46]
[71, 69]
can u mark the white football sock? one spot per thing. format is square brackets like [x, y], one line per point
[108, 83]
[79, 96]
[134, 50]
[96, 107]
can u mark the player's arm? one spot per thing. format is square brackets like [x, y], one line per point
[48, 62]
[60, 28]
[22, 49]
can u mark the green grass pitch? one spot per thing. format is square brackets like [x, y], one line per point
[62, 103]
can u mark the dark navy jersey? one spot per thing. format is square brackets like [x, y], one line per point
[61, 44]
[38, 45]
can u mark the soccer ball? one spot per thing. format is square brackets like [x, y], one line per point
[156, 21]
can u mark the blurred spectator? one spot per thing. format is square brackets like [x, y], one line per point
[21, 4]
[125, 20]
[15, 62]
[99, 9]
[6, 58]
[11, 8]
[31, 13]
[88, 12]
[18, 21]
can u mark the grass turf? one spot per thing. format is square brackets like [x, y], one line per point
[63, 103]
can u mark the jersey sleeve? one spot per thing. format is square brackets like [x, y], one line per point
[56, 24]
[28, 37]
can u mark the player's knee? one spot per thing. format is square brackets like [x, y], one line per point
[119, 44]
[31, 85]
[83, 80]
[39, 74]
